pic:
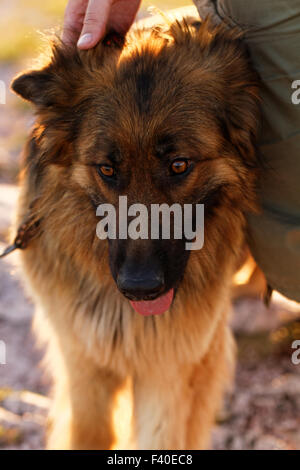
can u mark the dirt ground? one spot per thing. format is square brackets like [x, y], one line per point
[262, 411]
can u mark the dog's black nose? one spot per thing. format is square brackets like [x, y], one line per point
[140, 283]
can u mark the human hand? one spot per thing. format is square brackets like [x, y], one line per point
[89, 20]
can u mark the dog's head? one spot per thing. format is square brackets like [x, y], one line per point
[167, 117]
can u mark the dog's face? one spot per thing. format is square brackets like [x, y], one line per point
[167, 118]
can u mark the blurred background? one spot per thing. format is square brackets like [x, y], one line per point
[263, 409]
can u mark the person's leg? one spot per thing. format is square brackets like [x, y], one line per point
[272, 32]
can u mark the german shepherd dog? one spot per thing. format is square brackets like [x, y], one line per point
[168, 115]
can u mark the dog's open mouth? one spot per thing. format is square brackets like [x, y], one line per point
[154, 307]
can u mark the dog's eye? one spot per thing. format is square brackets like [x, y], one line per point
[106, 170]
[178, 167]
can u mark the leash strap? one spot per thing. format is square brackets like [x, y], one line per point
[26, 232]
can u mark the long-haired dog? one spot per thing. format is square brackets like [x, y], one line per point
[168, 115]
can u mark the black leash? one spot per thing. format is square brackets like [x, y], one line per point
[26, 232]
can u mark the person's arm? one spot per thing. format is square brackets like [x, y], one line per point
[86, 21]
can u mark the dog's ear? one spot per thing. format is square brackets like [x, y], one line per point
[35, 86]
[237, 86]
[56, 82]
[66, 69]
[242, 122]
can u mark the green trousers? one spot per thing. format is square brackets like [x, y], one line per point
[273, 36]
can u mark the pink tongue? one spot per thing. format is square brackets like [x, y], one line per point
[154, 307]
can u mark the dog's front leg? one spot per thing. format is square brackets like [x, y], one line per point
[209, 380]
[162, 401]
[175, 408]
[83, 401]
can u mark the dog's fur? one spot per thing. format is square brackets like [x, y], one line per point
[180, 90]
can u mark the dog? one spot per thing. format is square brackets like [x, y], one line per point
[167, 115]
